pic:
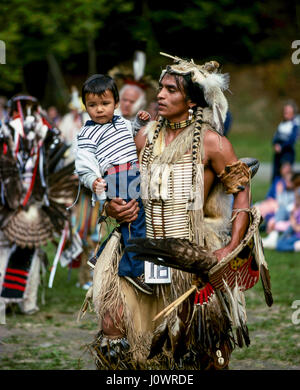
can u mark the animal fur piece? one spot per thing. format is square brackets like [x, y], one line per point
[174, 252]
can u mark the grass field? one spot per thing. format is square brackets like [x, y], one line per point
[53, 339]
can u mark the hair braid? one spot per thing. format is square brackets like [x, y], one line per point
[196, 140]
[159, 126]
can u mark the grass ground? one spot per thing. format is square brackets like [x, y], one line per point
[53, 339]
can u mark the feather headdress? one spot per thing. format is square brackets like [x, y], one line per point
[212, 82]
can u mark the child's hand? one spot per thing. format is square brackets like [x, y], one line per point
[144, 115]
[99, 186]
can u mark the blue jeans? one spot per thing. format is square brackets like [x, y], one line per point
[126, 185]
[286, 242]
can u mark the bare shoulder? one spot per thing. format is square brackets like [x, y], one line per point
[218, 150]
[213, 139]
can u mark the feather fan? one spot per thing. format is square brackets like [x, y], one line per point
[174, 252]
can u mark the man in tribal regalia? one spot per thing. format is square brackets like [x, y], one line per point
[199, 222]
[34, 196]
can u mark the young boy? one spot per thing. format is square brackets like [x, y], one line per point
[106, 159]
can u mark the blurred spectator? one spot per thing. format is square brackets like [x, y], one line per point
[84, 216]
[132, 100]
[290, 240]
[72, 122]
[281, 221]
[269, 205]
[285, 138]
[297, 119]
[53, 116]
[3, 111]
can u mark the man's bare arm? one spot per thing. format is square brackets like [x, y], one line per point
[219, 153]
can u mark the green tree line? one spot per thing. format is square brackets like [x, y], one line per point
[75, 38]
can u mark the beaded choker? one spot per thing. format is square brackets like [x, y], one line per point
[179, 125]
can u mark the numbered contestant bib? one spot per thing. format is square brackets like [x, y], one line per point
[157, 274]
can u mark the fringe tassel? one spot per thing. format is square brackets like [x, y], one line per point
[86, 303]
[238, 314]
[263, 268]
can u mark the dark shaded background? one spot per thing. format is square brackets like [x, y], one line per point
[51, 46]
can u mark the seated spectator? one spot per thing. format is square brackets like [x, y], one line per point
[269, 205]
[281, 221]
[290, 240]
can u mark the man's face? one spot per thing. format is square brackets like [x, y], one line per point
[127, 100]
[288, 113]
[171, 100]
[100, 107]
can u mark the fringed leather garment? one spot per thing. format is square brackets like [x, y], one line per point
[186, 324]
[198, 331]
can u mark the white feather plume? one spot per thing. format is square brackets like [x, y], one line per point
[213, 80]
[139, 63]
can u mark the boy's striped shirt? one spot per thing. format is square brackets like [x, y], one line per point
[111, 143]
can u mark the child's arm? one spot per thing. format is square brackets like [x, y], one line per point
[87, 168]
[99, 186]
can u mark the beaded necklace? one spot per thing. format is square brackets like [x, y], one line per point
[178, 125]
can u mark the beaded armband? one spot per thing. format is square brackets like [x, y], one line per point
[235, 177]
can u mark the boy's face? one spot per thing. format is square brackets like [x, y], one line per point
[100, 108]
